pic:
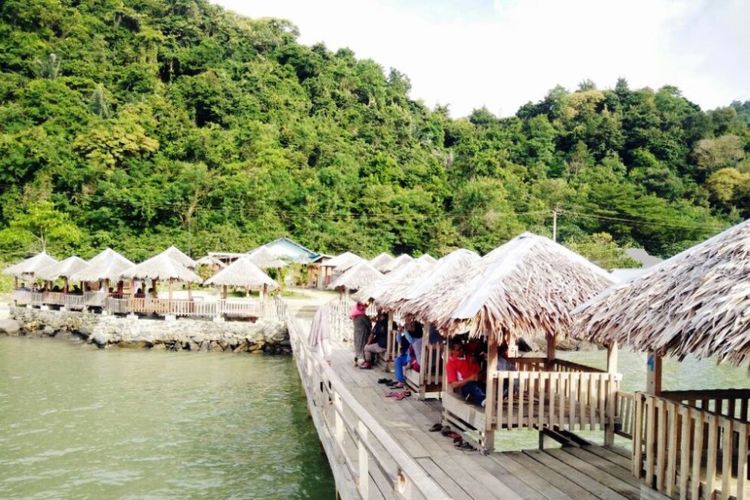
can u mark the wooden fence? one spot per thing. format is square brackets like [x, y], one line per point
[365, 459]
[679, 448]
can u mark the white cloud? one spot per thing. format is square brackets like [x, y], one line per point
[503, 54]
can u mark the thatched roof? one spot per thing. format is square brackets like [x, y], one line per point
[242, 273]
[163, 268]
[527, 286]
[178, 255]
[210, 260]
[697, 302]
[387, 292]
[107, 264]
[357, 276]
[381, 261]
[62, 269]
[417, 297]
[427, 258]
[342, 262]
[398, 262]
[265, 259]
[30, 266]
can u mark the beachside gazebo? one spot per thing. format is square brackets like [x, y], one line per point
[242, 273]
[265, 259]
[695, 304]
[161, 267]
[359, 275]
[526, 287]
[180, 256]
[62, 270]
[381, 261]
[335, 267]
[428, 381]
[397, 262]
[429, 259]
[104, 268]
[28, 268]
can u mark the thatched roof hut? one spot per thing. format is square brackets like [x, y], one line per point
[697, 302]
[178, 255]
[418, 297]
[63, 269]
[106, 265]
[360, 275]
[527, 286]
[30, 266]
[389, 290]
[265, 259]
[381, 261]
[399, 261]
[242, 273]
[163, 268]
[210, 261]
[344, 261]
[427, 258]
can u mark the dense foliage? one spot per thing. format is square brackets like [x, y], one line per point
[141, 123]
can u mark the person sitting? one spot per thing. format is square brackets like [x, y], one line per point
[463, 374]
[504, 365]
[402, 360]
[139, 294]
[377, 342]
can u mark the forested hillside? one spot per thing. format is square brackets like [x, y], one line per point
[137, 124]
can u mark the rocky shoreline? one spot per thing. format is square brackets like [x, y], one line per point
[106, 331]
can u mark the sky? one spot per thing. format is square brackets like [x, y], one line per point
[502, 54]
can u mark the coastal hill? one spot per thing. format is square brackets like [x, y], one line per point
[147, 123]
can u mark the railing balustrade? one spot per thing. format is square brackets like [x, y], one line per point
[696, 452]
[356, 444]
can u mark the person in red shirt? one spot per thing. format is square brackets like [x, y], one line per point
[463, 374]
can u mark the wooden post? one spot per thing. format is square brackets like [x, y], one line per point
[363, 459]
[65, 288]
[423, 360]
[551, 346]
[170, 292]
[612, 358]
[190, 291]
[653, 374]
[489, 402]
[389, 348]
[223, 291]
[132, 287]
[15, 282]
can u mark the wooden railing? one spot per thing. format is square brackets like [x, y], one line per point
[529, 364]
[366, 460]
[430, 374]
[580, 399]
[678, 448]
[625, 404]
[732, 403]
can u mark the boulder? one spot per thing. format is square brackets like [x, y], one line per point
[9, 327]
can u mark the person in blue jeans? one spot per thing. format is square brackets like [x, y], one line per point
[412, 331]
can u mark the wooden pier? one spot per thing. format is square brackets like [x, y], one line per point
[382, 448]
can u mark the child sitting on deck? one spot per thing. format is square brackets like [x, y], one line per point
[463, 374]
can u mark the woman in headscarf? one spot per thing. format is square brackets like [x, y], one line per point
[361, 330]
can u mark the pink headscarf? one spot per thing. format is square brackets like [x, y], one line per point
[358, 310]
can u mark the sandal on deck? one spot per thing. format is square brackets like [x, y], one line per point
[463, 445]
[401, 395]
[384, 381]
[392, 394]
[436, 427]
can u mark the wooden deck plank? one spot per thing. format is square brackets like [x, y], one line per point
[554, 478]
[471, 486]
[614, 483]
[611, 456]
[497, 486]
[444, 480]
[583, 480]
[504, 467]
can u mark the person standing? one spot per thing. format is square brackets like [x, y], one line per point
[361, 330]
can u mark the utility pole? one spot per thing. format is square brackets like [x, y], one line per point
[554, 224]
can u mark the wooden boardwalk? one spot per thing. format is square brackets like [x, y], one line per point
[580, 472]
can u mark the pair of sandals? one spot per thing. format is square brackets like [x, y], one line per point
[458, 441]
[394, 384]
[398, 396]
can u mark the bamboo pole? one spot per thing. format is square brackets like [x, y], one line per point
[653, 374]
[612, 358]
[489, 402]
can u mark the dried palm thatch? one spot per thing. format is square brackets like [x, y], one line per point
[342, 262]
[453, 264]
[389, 291]
[178, 255]
[242, 273]
[210, 261]
[399, 261]
[427, 258]
[163, 268]
[265, 259]
[525, 287]
[30, 266]
[106, 265]
[63, 269]
[381, 261]
[697, 302]
[357, 276]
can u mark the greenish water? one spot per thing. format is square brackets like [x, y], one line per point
[76, 422]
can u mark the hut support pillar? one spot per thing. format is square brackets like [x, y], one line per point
[170, 293]
[391, 343]
[224, 292]
[65, 288]
[609, 426]
[612, 358]
[489, 402]
[15, 282]
[190, 291]
[653, 374]
[423, 359]
[551, 346]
